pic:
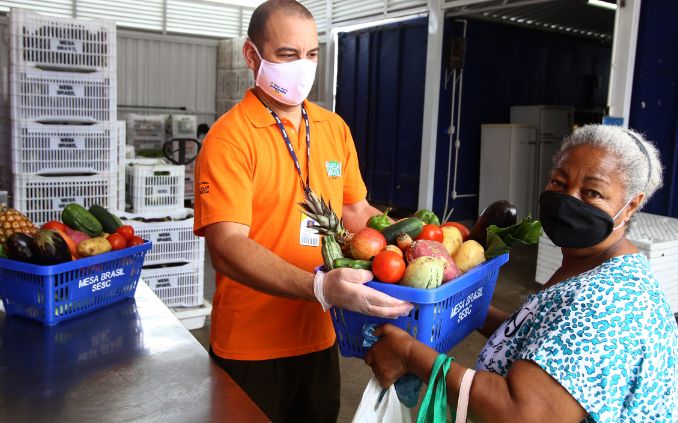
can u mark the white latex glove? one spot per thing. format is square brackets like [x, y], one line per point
[344, 288]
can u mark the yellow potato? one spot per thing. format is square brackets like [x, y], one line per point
[468, 255]
[452, 239]
[93, 246]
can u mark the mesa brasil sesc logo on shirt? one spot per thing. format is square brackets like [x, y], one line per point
[333, 168]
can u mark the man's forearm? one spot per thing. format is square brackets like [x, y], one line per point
[247, 262]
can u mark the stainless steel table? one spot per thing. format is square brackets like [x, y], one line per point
[130, 362]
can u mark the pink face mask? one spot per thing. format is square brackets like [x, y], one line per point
[289, 82]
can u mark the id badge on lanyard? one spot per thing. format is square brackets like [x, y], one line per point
[307, 236]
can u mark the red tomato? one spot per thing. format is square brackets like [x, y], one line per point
[463, 229]
[118, 242]
[388, 267]
[54, 224]
[136, 240]
[127, 231]
[431, 232]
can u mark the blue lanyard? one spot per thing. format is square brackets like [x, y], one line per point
[288, 143]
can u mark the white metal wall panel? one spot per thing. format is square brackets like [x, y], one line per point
[63, 8]
[318, 9]
[175, 72]
[347, 10]
[145, 14]
[397, 5]
[217, 20]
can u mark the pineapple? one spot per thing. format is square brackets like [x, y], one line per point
[12, 221]
[327, 221]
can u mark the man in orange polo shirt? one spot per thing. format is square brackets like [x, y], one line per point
[269, 328]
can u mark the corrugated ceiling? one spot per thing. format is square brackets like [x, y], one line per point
[566, 16]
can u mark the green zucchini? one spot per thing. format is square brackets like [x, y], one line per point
[77, 217]
[411, 226]
[109, 222]
[353, 264]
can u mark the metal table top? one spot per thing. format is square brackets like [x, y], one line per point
[130, 362]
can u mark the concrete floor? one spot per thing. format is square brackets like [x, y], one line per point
[514, 284]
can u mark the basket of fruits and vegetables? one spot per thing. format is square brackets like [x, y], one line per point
[446, 271]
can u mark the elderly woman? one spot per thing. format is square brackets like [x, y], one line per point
[599, 342]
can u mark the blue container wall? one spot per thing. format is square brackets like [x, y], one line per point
[380, 94]
[654, 103]
[506, 66]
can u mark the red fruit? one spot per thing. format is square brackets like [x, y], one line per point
[76, 236]
[431, 232]
[127, 231]
[465, 232]
[117, 241]
[388, 267]
[54, 225]
[367, 243]
[136, 240]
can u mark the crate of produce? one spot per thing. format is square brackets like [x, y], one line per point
[51, 294]
[69, 97]
[171, 234]
[441, 317]
[42, 198]
[62, 43]
[146, 129]
[152, 185]
[177, 286]
[66, 149]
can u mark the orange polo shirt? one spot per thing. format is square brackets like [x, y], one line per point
[244, 174]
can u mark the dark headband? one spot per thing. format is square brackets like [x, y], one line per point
[635, 138]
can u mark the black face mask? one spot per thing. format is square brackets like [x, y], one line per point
[571, 223]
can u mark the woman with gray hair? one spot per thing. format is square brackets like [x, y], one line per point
[599, 342]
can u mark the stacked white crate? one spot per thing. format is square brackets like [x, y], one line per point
[66, 145]
[175, 267]
[146, 132]
[655, 236]
[234, 78]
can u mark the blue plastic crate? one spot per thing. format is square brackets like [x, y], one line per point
[441, 317]
[51, 294]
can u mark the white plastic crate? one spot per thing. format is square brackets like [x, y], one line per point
[192, 317]
[182, 126]
[42, 198]
[129, 152]
[177, 286]
[152, 185]
[66, 149]
[655, 236]
[173, 240]
[70, 97]
[62, 43]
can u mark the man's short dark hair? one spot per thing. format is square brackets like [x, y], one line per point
[257, 28]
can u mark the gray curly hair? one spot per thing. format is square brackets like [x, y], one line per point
[639, 162]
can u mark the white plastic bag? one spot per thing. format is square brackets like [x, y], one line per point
[388, 410]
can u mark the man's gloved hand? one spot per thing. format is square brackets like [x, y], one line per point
[345, 288]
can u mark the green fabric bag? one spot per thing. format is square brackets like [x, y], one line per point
[434, 405]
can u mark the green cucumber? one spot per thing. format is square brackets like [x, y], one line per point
[411, 226]
[330, 251]
[109, 222]
[353, 264]
[77, 217]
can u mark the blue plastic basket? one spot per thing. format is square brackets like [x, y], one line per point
[51, 294]
[441, 317]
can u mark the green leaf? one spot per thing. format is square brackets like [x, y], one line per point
[500, 240]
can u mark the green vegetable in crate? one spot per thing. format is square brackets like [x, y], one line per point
[109, 222]
[353, 264]
[77, 217]
[18, 247]
[330, 251]
[411, 226]
[424, 272]
[379, 221]
[428, 217]
[50, 247]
